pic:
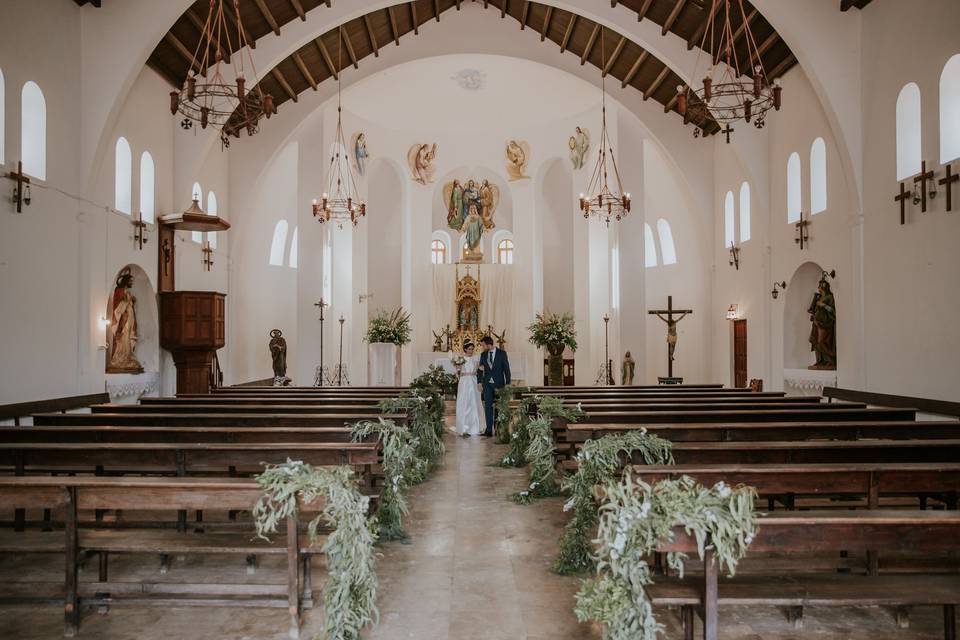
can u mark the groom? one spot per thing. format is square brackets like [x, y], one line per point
[492, 374]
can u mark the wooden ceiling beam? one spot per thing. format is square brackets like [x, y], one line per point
[436, 9]
[846, 5]
[766, 44]
[457, 2]
[636, 67]
[278, 76]
[299, 9]
[568, 32]
[546, 23]
[656, 83]
[587, 49]
[641, 14]
[201, 28]
[232, 19]
[677, 8]
[305, 71]
[370, 34]
[350, 51]
[616, 54]
[503, 9]
[697, 36]
[413, 17]
[784, 64]
[184, 53]
[739, 32]
[667, 108]
[326, 58]
[393, 25]
[265, 10]
[523, 14]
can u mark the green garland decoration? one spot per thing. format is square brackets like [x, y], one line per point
[350, 594]
[504, 413]
[516, 456]
[435, 378]
[425, 410]
[399, 454]
[541, 450]
[599, 462]
[634, 520]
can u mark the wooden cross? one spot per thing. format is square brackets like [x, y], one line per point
[207, 255]
[803, 236]
[728, 131]
[322, 305]
[19, 195]
[902, 198]
[947, 181]
[671, 328]
[139, 236]
[922, 179]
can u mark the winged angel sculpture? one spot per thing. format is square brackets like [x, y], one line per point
[470, 208]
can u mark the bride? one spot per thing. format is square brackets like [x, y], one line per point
[469, 406]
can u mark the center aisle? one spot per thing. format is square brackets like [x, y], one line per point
[477, 566]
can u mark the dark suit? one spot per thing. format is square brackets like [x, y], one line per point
[492, 375]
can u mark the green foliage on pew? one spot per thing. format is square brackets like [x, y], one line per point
[634, 520]
[350, 594]
[519, 434]
[504, 414]
[598, 463]
[399, 454]
[436, 378]
[425, 407]
[540, 450]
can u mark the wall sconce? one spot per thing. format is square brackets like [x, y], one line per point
[21, 187]
[832, 274]
[803, 233]
[207, 255]
[363, 297]
[139, 228]
[735, 256]
[102, 324]
[733, 312]
[776, 289]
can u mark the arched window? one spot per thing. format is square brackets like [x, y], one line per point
[279, 243]
[667, 248]
[729, 229]
[949, 110]
[197, 194]
[148, 180]
[818, 176]
[123, 176]
[2, 119]
[744, 212]
[212, 211]
[33, 131]
[505, 251]
[908, 131]
[292, 260]
[649, 247]
[793, 188]
[438, 252]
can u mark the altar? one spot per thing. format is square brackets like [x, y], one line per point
[424, 360]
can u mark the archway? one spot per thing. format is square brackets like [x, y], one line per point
[796, 319]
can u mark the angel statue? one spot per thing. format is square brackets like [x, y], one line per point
[518, 154]
[438, 340]
[579, 144]
[470, 209]
[360, 153]
[420, 157]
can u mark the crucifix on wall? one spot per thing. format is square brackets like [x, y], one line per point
[21, 193]
[803, 235]
[902, 199]
[667, 315]
[949, 177]
[922, 181]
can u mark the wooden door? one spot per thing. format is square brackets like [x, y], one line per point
[740, 353]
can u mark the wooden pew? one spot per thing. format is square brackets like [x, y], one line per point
[262, 420]
[816, 451]
[16, 412]
[679, 388]
[368, 410]
[787, 532]
[110, 433]
[719, 394]
[260, 400]
[73, 495]
[729, 413]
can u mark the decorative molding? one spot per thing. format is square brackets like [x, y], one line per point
[806, 381]
[122, 386]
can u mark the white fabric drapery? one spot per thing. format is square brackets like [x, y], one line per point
[496, 293]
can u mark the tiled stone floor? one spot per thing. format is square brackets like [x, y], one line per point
[476, 567]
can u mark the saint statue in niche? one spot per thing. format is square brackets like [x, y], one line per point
[420, 157]
[518, 154]
[628, 370]
[467, 315]
[823, 332]
[579, 144]
[278, 353]
[360, 153]
[123, 319]
[470, 208]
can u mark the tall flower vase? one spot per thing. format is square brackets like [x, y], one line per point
[555, 365]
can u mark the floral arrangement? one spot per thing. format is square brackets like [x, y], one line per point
[552, 331]
[540, 450]
[635, 519]
[435, 378]
[458, 361]
[599, 462]
[399, 454]
[350, 594]
[391, 327]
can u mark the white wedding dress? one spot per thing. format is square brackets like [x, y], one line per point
[470, 417]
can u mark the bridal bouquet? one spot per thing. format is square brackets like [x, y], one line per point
[458, 361]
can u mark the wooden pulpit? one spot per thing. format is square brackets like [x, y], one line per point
[192, 328]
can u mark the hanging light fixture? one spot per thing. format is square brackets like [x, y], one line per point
[341, 201]
[212, 99]
[726, 95]
[603, 202]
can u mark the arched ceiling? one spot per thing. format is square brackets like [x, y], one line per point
[372, 33]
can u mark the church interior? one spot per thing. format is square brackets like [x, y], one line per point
[588, 332]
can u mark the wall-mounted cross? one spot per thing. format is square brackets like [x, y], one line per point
[947, 181]
[902, 199]
[922, 179]
[727, 132]
[207, 255]
[139, 232]
[21, 193]
[803, 236]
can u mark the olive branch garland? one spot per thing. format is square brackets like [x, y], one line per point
[504, 413]
[541, 449]
[634, 520]
[426, 413]
[516, 455]
[399, 453]
[350, 594]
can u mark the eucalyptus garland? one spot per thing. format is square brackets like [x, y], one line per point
[504, 413]
[399, 454]
[634, 520]
[519, 435]
[425, 410]
[540, 451]
[599, 462]
[350, 594]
